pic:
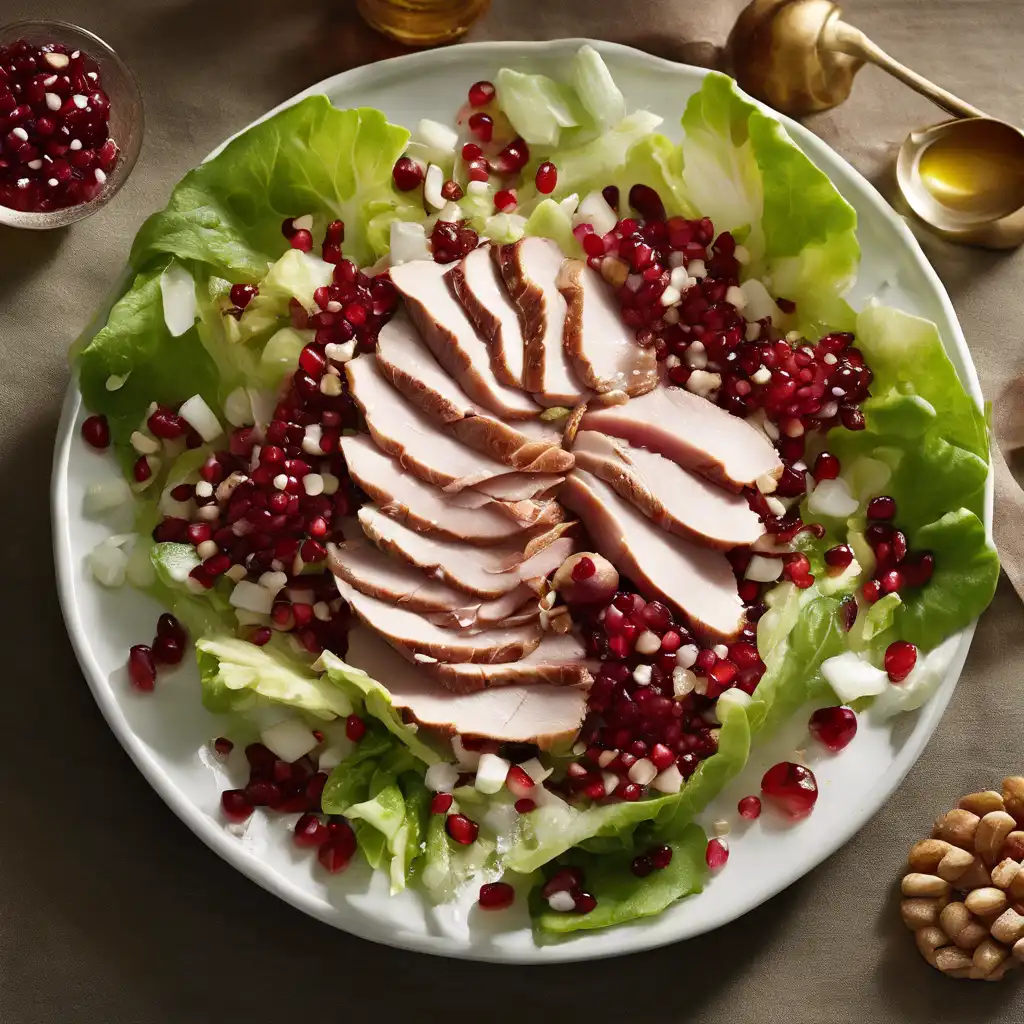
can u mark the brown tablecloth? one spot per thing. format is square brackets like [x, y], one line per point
[111, 912]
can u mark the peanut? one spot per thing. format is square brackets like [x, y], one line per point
[972, 936]
[1018, 949]
[989, 955]
[1013, 796]
[1007, 965]
[1013, 845]
[954, 918]
[957, 827]
[930, 939]
[954, 864]
[920, 913]
[953, 959]
[918, 884]
[1004, 873]
[925, 855]
[984, 902]
[983, 802]
[991, 833]
[975, 877]
[1008, 927]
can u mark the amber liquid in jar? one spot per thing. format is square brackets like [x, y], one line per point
[422, 22]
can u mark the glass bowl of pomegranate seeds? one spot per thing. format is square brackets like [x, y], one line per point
[71, 124]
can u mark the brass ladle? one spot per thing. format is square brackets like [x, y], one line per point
[964, 177]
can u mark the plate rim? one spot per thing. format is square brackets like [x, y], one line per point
[630, 938]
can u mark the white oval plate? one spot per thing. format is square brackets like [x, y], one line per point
[167, 733]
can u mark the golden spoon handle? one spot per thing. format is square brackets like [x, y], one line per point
[844, 38]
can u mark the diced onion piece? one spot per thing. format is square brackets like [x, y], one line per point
[238, 408]
[438, 139]
[763, 570]
[853, 677]
[668, 781]
[594, 210]
[408, 242]
[491, 773]
[108, 562]
[441, 777]
[178, 292]
[201, 418]
[432, 187]
[759, 303]
[106, 495]
[252, 598]
[832, 498]
[290, 739]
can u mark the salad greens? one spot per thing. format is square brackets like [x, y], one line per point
[925, 442]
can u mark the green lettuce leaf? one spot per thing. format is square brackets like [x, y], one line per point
[964, 583]
[136, 345]
[308, 159]
[621, 896]
[742, 170]
[232, 671]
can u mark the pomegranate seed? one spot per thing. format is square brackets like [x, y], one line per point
[525, 805]
[336, 854]
[223, 746]
[235, 805]
[301, 240]
[142, 668]
[441, 803]
[749, 807]
[96, 432]
[471, 151]
[407, 174]
[881, 508]
[514, 157]
[461, 829]
[355, 728]
[585, 903]
[641, 866]
[565, 880]
[871, 591]
[717, 854]
[834, 727]
[482, 126]
[791, 788]
[168, 625]
[546, 178]
[480, 94]
[451, 191]
[891, 581]
[826, 467]
[261, 636]
[661, 857]
[900, 659]
[496, 896]
[242, 294]
[310, 831]
[839, 557]
[168, 650]
[505, 200]
[142, 470]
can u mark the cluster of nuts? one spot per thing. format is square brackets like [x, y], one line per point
[964, 894]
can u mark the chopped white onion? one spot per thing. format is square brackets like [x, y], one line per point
[491, 773]
[290, 739]
[438, 138]
[441, 777]
[201, 418]
[853, 677]
[670, 780]
[408, 242]
[107, 495]
[832, 498]
[432, 187]
[178, 292]
[594, 210]
[763, 570]
[108, 562]
[252, 598]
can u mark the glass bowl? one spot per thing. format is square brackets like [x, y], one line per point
[126, 116]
